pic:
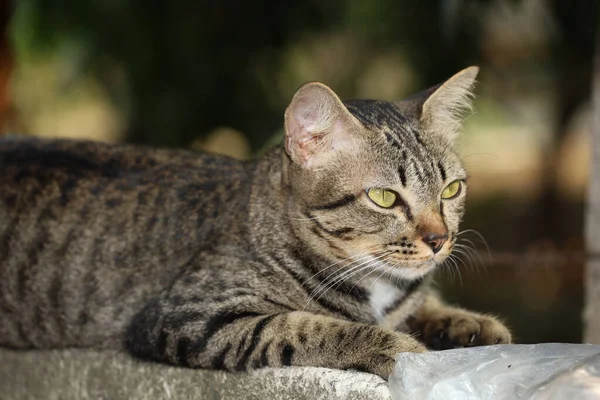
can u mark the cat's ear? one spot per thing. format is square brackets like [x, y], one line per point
[317, 124]
[443, 111]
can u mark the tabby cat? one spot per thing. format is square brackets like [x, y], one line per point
[320, 253]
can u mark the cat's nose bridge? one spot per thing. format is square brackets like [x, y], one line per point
[432, 230]
[431, 221]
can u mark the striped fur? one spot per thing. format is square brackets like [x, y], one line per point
[203, 261]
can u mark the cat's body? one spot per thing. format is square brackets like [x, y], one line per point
[204, 261]
[90, 233]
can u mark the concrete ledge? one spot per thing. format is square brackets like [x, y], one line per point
[84, 374]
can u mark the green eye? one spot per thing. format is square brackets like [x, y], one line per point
[451, 191]
[382, 197]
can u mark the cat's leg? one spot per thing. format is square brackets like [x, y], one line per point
[441, 327]
[244, 338]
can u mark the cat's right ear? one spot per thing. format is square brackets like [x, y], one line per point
[443, 110]
[317, 124]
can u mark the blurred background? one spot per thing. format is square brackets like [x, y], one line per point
[218, 76]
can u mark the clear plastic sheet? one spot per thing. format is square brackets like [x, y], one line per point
[549, 371]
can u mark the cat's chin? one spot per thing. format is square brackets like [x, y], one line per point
[414, 271]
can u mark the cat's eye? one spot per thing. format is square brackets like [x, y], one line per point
[451, 191]
[382, 197]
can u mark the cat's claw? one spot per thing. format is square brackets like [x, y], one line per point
[459, 328]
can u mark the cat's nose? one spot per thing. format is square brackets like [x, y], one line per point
[435, 241]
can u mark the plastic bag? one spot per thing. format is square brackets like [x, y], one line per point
[539, 372]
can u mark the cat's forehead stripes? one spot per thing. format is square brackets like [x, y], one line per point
[402, 174]
[442, 170]
[384, 117]
[377, 113]
[417, 164]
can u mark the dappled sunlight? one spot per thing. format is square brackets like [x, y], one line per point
[51, 107]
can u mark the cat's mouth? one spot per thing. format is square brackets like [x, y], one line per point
[416, 256]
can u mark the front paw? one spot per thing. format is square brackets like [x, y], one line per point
[458, 328]
[380, 359]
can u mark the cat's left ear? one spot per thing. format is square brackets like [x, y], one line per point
[317, 125]
[444, 109]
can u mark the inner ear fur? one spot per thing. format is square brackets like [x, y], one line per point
[317, 124]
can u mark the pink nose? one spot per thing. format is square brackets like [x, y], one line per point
[435, 241]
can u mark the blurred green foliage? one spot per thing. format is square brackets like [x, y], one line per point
[192, 66]
[181, 68]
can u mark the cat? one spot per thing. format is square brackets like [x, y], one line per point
[321, 253]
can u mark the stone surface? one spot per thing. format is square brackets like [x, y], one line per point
[83, 374]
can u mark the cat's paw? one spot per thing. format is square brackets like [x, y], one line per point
[383, 359]
[459, 328]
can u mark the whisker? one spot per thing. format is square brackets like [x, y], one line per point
[435, 283]
[365, 258]
[480, 236]
[333, 278]
[459, 274]
[389, 269]
[396, 278]
[473, 256]
[346, 277]
[343, 276]
[457, 268]
[376, 268]
[472, 248]
[465, 254]
[454, 267]
[479, 154]
[363, 254]
[462, 252]
[459, 277]
[363, 267]
[301, 219]
[449, 271]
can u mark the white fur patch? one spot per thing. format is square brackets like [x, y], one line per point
[382, 295]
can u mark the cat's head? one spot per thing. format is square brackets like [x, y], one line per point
[378, 183]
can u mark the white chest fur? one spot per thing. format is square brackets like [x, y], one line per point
[382, 295]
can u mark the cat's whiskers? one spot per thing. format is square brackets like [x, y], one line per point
[449, 270]
[301, 219]
[469, 264]
[333, 278]
[377, 267]
[455, 268]
[361, 256]
[389, 269]
[468, 256]
[345, 275]
[454, 259]
[480, 236]
[479, 154]
[472, 255]
[327, 284]
[472, 249]
[396, 278]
